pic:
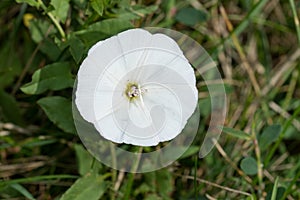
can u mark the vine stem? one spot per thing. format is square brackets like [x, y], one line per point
[131, 175]
[53, 19]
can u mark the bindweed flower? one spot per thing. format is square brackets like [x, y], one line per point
[136, 88]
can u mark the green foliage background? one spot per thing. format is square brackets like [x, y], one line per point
[256, 45]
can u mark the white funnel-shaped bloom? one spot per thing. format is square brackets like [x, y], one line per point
[136, 88]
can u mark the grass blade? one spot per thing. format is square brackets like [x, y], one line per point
[242, 26]
[37, 178]
[296, 19]
[22, 190]
[274, 192]
[236, 133]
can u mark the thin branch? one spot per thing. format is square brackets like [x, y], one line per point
[217, 186]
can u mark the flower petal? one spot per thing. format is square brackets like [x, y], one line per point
[163, 100]
[182, 85]
[91, 69]
[139, 114]
[166, 43]
[157, 64]
[86, 83]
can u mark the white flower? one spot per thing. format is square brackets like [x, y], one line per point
[136, 88]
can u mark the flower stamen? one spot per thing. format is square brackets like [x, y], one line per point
[133, 91]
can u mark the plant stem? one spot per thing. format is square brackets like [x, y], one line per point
[296, 19]
[131, 176]
[195, 177]
[259, 163]
[53, 19]
[114, 166]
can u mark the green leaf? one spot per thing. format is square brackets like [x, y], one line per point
[167, 6]
[217, 88]
[110, 26]
[103, 29]
[190, 16]
[77, 49]
[82, 4]
[30, 2]
[61, 8]
[249, 165]
[39, 29]
[136, 12]
[9, 109]
[85, 160]
[236, 133]
[153, 197]
[37, 141]
[59, 111]
[269, 135]
[204, 106]
[143, 189]
[189, 152]
[56, 76]
[22, 190]
[49, 48]
[98, 6]
[91, 187]
[10, 63]
[165, 186]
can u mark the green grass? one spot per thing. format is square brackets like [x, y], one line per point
[256, 47]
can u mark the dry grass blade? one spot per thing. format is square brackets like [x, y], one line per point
[12, 169]
[232, 164]
[284, 114]
[241, 53]
[287, 65]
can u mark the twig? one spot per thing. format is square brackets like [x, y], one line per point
[12, 169]
[13, 127]
[119, 180]
[28, 64]
[210, 197]
[216, 185]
